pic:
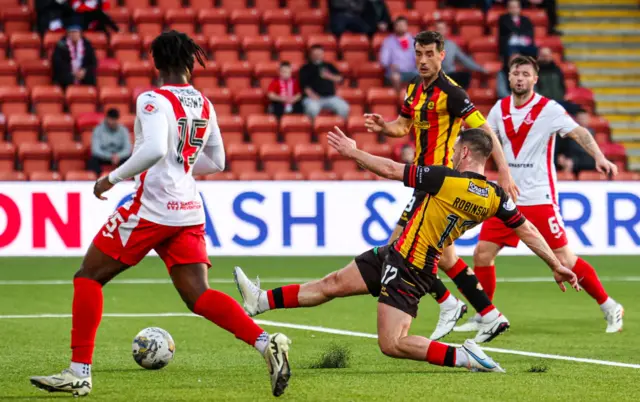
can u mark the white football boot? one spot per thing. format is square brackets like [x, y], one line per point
[250, 292]
[472, 325]
[448, 319]
[478, 360]
[489, 330]
[277, 357]
[66, 381]
[614, 318]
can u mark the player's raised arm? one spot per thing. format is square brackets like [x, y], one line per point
[212, 158]
[396, 128]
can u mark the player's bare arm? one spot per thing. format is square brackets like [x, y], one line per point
[504, 180]
[583, 137]
[396, 128]
[381, 166]
[534, 240]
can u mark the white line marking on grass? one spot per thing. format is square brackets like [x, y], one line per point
[151, 281]
[335, 331]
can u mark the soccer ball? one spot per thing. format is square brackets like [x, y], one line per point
[153, 348]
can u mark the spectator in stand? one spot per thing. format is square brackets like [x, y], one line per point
[454, 54]
[376, 15]
[515, 32]
[110, 143]
[93, 14]
[550, 78]
[570, 156]
[284, 93]
[358, 16]
[74, 60]
[318, 81]
[397, 55]
[51, 15]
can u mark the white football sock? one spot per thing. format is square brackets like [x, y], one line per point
[608, 304]
[263, 302]
[490, 316]
[462, 358]
[449, 303]
[262, 342]
[81, 369]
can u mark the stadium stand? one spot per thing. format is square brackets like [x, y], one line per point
[46, 131]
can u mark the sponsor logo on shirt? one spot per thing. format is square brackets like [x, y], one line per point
[150, 108]
[477, 190]
[521, 165]
[183, 206]
[422, 125]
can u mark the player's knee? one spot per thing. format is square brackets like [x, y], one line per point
[331, 285]
[388, 347]
[482, 257]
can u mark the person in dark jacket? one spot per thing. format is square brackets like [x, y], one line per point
[515, 32]
[570, 156]
[550, 77]
[74, 60]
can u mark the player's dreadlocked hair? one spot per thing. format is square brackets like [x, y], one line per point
[176, 52]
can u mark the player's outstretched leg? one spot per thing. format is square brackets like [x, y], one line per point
[96, 271]
[191, 282]
[346, 282]
[394, 341]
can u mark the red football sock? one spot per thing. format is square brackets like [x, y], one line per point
[444, 297]
[458, 267]
[225, 312]
[284, 297]
[588, 279]
[487, 278]
[86, 315]
[441, 354]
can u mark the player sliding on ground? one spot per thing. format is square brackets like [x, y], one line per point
[527, 124]
[177, 136]
[401, 273]
[433, 110]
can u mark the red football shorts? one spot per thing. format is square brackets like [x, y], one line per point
[546, 218]
[128, 238]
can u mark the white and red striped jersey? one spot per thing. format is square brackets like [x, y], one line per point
[173, 125]
[528, 137]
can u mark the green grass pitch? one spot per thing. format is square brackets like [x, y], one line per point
[211, 364]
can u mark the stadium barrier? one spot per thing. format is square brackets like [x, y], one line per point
[294, 218]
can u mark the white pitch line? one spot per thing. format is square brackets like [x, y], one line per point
[150, 281]
[335, 331]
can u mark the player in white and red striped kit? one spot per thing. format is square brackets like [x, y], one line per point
[526, 124]
[177, 136]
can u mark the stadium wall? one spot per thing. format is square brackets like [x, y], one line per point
[294, 218]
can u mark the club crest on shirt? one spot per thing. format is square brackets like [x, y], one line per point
[509, 205]
[477, 190]
[431, 105]
[527, 120]
[150, 108]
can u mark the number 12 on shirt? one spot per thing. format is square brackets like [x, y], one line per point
[190, 140]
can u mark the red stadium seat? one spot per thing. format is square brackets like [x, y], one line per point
[116, 98]
[328, 43]
[357, 131]
[222, 176]
[201, 4]
[14, 100]
[99, 42]
[397, 6]
[434, 15]
[181, 19]
[298, 4]
[44, 176]
[310, 21]
[80, 175]
[25, 46]
[581, 96]
[291, 49]
[614, 151]
[232, 129]
[414, 20]
[255, 176]
[250, 101]
[47, 99]
[85, 124]
[275, 158]
[17, 19]
[108, 73]
[232, 4]
[339, 163]
[323, 124]
[138, 74]
[36, 72]
[206, 77]
[122, 17]
[552, 42]
[627, 176]
[8, 73]
[237, 75]
[383, 150]
[483, 96]
[170, 5]
[470, 23]
[257, 49]
[484, 49]
[309, 157]
[81, 99]
[376, 43]
[50, 42]
[599, 124]
[221, 98]
[262, 129]
[288, 176]
[34, 156]
[355, 98]
[148, 21]
[126, 46]
[354, 48]
[358, 176]
[323, 176]
[425, 6]
[9, 175]
[58, 128]
[586, 175]
[264, 5]
[246, 22]
[242, 157]
[565, 176]
[266, 72]
[69, 156]
[383, 101]
[214, 21]
[3, 46]
[492, 19]
[278, 22]
[225, 48]
[369, 75]
[602, 138]
[7, 156]
[539, 20]
[295, 129]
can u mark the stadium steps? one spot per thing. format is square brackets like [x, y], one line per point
[602, 37]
